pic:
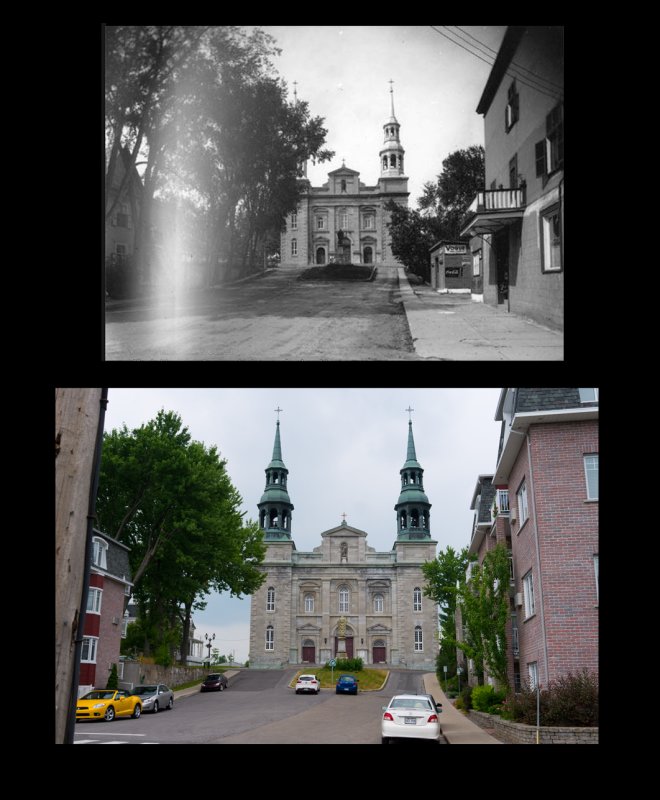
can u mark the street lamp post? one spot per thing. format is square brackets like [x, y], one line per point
[209, 641]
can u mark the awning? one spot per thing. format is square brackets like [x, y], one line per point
[491, 221]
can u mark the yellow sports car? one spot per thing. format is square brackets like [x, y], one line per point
[107, 704]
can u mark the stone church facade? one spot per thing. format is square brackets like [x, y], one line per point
[295, 613]
[345, 221]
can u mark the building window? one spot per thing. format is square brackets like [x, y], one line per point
[99, 550]
[309, 603]
[591, 473]
[417, 599]
[270, 599]
[533, 671]
[378, 603]
[528, 587]
[511, 111]
[523, 513]
[551, 240]
[513, 172]
[294, 247]
[88, 653]
[419, 644]
[343, 601]
[320, 223]
[588, 395]
[343, 185]
[294, 221]
[550, 151]
[94, 600]
[369, 223]
[503, 500]
[343, 220]
[270, 638]
[596, 571]
[124, 625]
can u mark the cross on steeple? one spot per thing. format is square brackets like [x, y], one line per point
[409, 410]
[344, 516]
[278, 409]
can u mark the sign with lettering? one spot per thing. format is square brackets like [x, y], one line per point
[455, 248]
[452, 272]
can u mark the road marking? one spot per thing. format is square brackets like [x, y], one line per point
[112, 734]
[86, 741]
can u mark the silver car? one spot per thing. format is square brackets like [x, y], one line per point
[155, 697]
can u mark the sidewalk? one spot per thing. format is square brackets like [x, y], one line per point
[456, 728]
[450, 327]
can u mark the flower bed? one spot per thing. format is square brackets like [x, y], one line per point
[519, 733]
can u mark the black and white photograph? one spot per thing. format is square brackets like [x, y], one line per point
[333, 193]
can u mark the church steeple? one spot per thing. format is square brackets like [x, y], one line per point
[413, 510]
[275, 506]
[391, 155]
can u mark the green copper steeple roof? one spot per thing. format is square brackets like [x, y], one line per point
[411, 456]
[277, 451]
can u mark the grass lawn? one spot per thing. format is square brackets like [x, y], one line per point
[370, 680]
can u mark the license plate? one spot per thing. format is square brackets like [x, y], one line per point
[410, 720]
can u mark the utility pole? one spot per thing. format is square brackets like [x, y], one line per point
[78, 432]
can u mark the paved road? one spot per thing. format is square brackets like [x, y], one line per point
[274, 317]
[259, 708]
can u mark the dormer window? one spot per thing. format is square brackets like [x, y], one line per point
[99, 550]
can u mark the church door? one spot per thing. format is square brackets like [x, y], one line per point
[368, 255]
[349, 646]
[320, 255]
[379, 652]
[308, 653]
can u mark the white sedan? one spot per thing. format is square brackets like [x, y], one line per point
[411, 716]
[307, 683]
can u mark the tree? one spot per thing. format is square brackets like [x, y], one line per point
[171, 501]
[442, 578]
[113, 680]
[484, 602]
[448, 200]
[412, 236]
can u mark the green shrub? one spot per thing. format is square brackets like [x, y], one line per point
[459, 704]
[570, 701]
[113, 680]
[120, 277]
[482, 697]
[466, 695]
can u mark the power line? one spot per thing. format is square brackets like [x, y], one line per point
[525, 82]
[518, 66]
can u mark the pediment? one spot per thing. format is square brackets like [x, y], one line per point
[343, 530]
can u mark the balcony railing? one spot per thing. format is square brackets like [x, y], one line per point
[498, 200]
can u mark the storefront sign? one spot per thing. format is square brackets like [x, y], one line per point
[455, 248]
[452, 272]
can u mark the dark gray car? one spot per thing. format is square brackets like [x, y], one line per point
[155, 697]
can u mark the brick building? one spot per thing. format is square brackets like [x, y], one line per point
[547, 464]
[345, 221]
[295, 614]
[517, 229]
[109, 590]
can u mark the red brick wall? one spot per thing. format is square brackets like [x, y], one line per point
[567, 541]
[109, 633]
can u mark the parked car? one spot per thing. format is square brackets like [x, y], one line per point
[214, 683]
[411, 716]
[155, 696]
[307, 683]
[346, 684]
[107, 704]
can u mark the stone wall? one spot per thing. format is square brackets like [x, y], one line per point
[136, 673]
[518, 733]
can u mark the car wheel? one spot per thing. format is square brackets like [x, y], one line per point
[137, 711]
[170, 705]
[317, 691]
[222, 688]
[109, 714]
[156, 707]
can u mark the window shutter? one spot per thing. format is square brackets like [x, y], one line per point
[540, 158]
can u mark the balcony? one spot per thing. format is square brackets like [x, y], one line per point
[494, 209]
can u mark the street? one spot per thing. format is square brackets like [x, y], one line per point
[259, 708]
[272, 317]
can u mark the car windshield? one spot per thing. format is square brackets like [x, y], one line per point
[101, 695]
[307, 678]
[145, 690]
[346, 679]
[410, 702]
[212, 677]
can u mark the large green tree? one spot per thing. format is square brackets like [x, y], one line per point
[171, 501]
[443, 576]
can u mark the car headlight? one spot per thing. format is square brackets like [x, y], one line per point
[99, 705]
[146, 700]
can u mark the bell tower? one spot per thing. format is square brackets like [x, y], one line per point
[275, 506]
[391, 155]
[413, 510]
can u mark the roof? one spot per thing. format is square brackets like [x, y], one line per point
[510, 42]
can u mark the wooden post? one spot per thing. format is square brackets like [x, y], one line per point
[77, 413]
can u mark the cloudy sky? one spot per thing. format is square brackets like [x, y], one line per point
[343, 72]
[343, 449]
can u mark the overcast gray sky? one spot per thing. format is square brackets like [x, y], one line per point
[343, 449]
[344, 72]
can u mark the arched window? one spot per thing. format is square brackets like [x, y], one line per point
[414, 518]
[384, 162]
[320, 255]
[270, 599]
[404, 520]
[417, 599]
[343, 185]
[294, 247]
[419, 643]
[343, 600]
[276, 477]
[378, 602]
[368, 255]
[309, 602]
[393, 160]
[270, 638]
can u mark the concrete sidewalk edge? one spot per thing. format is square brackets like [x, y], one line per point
[456, 728]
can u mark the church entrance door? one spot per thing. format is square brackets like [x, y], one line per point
[320, 255]
[379, 652]
[349, 646]
[308, 652]
[368, 255]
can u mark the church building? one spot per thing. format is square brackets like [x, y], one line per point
[344, 221]
[388, 619]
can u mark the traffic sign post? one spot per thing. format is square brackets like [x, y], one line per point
[445, 669]
[332, 664]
